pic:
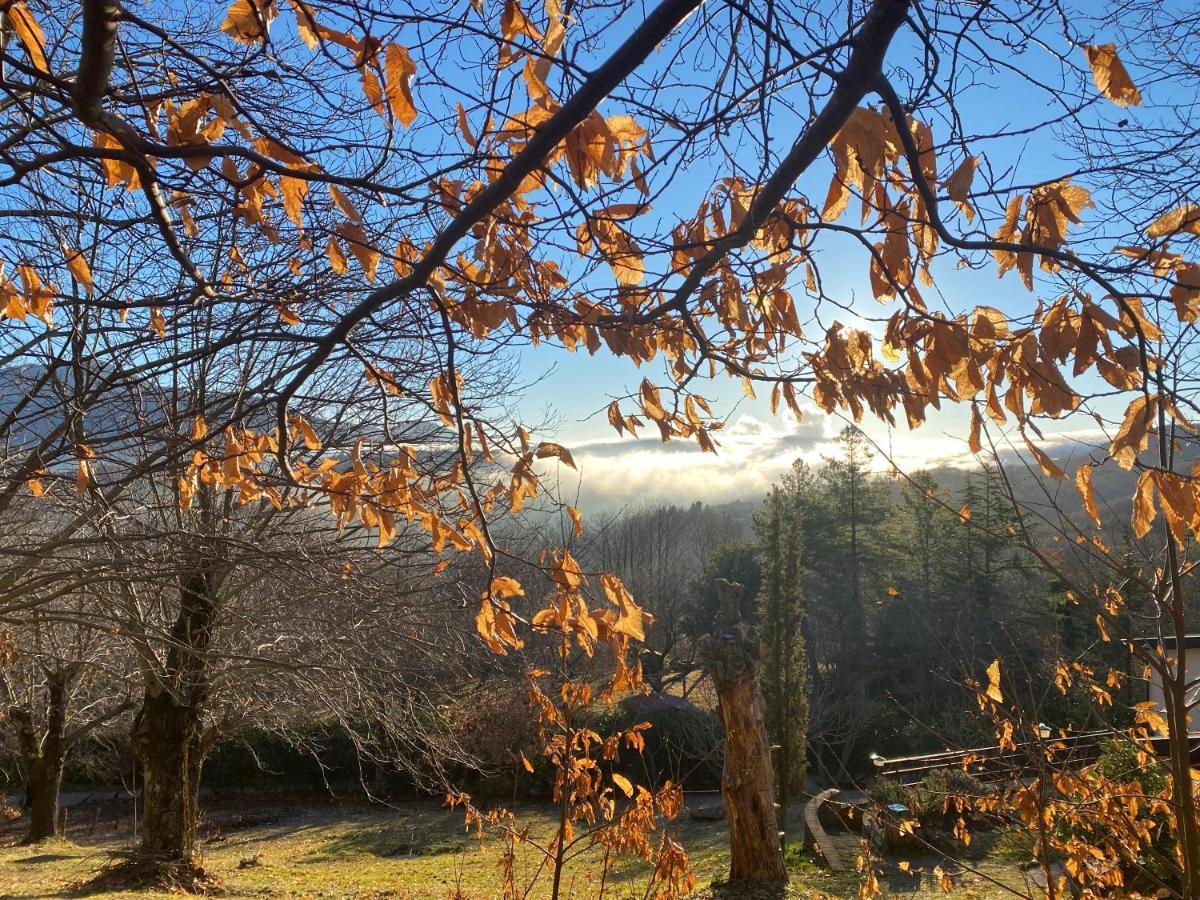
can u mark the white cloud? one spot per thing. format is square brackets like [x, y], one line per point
[751, 455]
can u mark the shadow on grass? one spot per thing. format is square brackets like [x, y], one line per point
[43, 858]
[985, 861]
[407, 837]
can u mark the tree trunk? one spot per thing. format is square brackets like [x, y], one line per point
[747, 779]
[43, 780]
[168, 735]
[1182, 786]
[44, 755]
[165, 739]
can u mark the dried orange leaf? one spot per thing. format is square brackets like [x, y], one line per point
[399, 70]
[1143, 505]
[337, 259]
[1083, 484]
[1185, 218]
[993, 685]
[30, 34]
[1110, 75]
[545, 450]
[248, 20]
[78, 268]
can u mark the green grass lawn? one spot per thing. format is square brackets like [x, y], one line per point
[326, 848]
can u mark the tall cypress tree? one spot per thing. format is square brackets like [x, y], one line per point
[781, 616]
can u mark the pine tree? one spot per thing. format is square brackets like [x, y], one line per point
[849, 549]
[781, 616]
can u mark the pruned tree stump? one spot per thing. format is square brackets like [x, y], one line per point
[731, 654]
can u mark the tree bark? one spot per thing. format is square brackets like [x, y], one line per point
[44, 780]
[165, 738]
[168, 735]
[44, 755]
[747, 779]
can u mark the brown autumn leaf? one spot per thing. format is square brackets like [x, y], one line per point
[1052, 207]
[247, 21]
[958, 186]
[306, 23]
[39, 298]
[158, 322]
[360, 248]
[293, 190]
[344, 203]
[974, 443]
[1048, 466]
[546, 450]
[337, 259]
[1110, 76]
[464, 127]
[399, 70]
[1143, 505]
[565, 571]
[83, 476]
[651, 402]
[1178, 502]
[615, 419]
[1083, 484]
[513, 22]
[386, 523]
[1007, 259]
[29, 33]
[539, 92]
[632, 619]
[373, 92]
[556, 34]
[623, 783]
[505, 587]
[79, 269]
[993, 685]
[576, 520]
[862, 150]
[1185, 218]
[1147, 712]
[616, 245]
[83, 472]
[309, 435]
[117, 172]
[1134, 434]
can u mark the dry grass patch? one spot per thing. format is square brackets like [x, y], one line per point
[323, 848]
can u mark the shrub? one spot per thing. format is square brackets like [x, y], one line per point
[256, 757]
[885, 792]
[928, 799]
[1119, 761]
[683, 743]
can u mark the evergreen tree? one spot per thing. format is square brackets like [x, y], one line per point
[781, 617]
[849, 548]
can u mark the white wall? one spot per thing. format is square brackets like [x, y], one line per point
[1193, 673]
